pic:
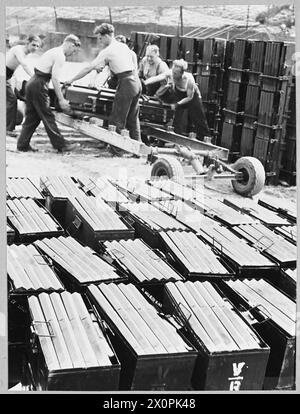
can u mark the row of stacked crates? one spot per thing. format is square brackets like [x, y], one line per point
[248, 91]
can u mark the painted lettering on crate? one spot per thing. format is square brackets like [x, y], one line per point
[235, 381]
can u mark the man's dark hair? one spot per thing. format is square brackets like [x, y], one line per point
[104, 28]
[33, 38]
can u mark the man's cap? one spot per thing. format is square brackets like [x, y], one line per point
[73, 39]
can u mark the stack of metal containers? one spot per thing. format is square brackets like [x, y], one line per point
[248, 91]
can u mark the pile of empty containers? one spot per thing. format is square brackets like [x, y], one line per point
[154, 286]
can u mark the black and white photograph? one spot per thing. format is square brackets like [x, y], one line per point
[151, 202]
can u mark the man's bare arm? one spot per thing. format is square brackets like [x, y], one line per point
[86, 70]
[158, 78]
[97, 64]
[20, 55]
[190, 93]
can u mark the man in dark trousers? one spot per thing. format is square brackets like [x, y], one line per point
[15, 56]
[117, 55]
[37, 98]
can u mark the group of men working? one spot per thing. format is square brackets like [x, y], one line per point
[175, 86]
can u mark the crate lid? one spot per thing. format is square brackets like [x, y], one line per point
[29, 217]
[268, 242]
[17, 187]
[81, 262]
[234, 247]
[29, 272]
[256, 210]
[210, 318]
[152, 217]
[196, 256]
[141, 261]
[138, 323]
[97, 213]
[62, 187]
[280, 309]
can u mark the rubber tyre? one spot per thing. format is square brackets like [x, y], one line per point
[168, 167]
[254, 176]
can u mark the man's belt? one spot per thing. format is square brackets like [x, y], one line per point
[40, 74]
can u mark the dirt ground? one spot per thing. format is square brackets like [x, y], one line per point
[92, 159]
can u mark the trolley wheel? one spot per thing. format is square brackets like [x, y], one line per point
[168, 167]
[253, 176]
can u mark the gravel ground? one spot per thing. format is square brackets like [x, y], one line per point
[92, 159]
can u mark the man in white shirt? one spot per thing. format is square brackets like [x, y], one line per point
[37, 98]
[117, 55]
[15, 56]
